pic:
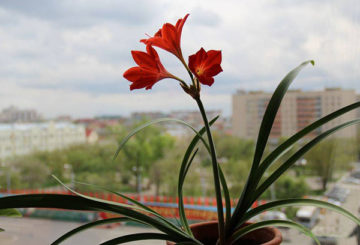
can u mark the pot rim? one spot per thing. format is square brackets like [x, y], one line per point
[277, 239]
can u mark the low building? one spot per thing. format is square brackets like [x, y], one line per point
[20, 139]
[91, 136]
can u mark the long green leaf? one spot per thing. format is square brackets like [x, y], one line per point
[185, 165]
[281, 149]
[79, 203]
[135, 202]
[161, 219]
[264, 132]
[190, 162]
[271, 111]
[131, 200]
[287, 164]
[284, 147]
[141, 127]
[98, 199]
[138, 237]
[182, 214]
[88, 226]
[11, 212]
[182, 174]
[285, 223]
[226, 195]
[299, 202]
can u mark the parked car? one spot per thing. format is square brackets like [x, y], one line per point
[274, 215]
[338, 194]
[352, 180]
[308, 216]
[355, 174]
[354, 177]
[335, 202]
[326, 240]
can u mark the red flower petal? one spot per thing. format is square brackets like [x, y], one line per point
[213, 57]
[168, 37]
[143, 59]
[205, 65]
[179, 25]
[141, 84]
[213, 70]
[149, 70]
[207, 80]
[196, 59]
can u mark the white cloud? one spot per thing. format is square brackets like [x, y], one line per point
[52, 102]
[76, 52]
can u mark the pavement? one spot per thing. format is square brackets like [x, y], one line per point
[331, 224]
[336, 225]
[30, 231]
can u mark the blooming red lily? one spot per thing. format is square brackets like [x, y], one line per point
[205, 65]
[149, 71]
[168, 38]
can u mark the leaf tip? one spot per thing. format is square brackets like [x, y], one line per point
[312, 62]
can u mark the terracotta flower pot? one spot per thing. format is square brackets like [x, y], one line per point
[207, 233]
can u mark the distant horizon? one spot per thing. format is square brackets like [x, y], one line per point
[225, 113]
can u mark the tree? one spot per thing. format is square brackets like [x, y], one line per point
[232, 147]
[328, 156]
[288, 187]
[143, 150]
[31, 172]
[236, 172]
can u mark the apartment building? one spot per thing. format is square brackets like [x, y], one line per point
[298, 109]
[20, 139]
[13, 114]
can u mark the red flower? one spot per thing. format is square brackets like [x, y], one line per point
[205, 65]
[168, 38]
[149, 71]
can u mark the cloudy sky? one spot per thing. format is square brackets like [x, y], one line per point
[68, 57]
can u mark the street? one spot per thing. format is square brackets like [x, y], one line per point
[29, 231]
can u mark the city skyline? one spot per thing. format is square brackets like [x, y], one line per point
[68, 57]
[226, 113]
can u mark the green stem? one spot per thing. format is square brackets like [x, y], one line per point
[215, 168]
[188, 69]
[179, 79]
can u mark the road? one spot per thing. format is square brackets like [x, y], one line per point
[29, 231]
[336, 225]
[332, 223]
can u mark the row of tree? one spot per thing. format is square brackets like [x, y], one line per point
[150, 161]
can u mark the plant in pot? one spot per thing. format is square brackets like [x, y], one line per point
[232, 225]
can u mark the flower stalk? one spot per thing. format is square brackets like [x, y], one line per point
[215, 167]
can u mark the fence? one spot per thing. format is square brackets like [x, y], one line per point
[196, 208]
